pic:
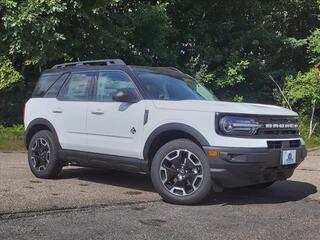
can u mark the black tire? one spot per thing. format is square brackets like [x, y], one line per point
[204, 186]
[261, 185]
[50, 166]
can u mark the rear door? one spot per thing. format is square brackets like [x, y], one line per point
[115, 128]
[70, 110]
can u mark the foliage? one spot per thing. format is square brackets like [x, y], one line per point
[242, 42]
[41, 31]
[238, 42]
[11, 138]
[314, 46]
[231, 46]
[150, 35]
[303, 92]
[304, 88]
[234, 74]
[31, 29]
[8, 75]
[312, 142]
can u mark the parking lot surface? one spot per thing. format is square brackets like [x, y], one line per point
[97, 204]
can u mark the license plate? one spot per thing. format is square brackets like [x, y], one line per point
[288, 157]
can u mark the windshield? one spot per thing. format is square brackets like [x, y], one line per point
[169, 87]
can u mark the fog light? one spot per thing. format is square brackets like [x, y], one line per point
[213, 153]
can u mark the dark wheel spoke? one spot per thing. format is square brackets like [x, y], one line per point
[34, 154]
[175, 161]
[36, 147]
[189, 164]
[192, 177]
[183, 157]
[171, 172]
[171, 184]
[35, 161]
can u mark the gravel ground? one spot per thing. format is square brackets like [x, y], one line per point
[96, 204]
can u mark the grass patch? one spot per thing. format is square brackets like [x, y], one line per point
[12, 138]
[312, 142]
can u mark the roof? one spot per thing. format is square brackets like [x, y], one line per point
[171, 71]
[111, 64]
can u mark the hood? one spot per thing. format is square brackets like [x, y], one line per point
[224, 107]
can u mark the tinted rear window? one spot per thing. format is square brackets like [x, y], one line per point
[55, 88]
[78, 87]
[44, 83]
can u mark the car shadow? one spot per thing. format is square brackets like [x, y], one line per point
[141, 182]
[279, 192]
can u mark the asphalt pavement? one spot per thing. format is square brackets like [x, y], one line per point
[97, 204]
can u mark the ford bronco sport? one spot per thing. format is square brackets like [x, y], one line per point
[156, 120]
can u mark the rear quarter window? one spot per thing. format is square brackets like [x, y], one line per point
[44, 83]
[56, 86]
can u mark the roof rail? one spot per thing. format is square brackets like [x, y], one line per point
[91, 62]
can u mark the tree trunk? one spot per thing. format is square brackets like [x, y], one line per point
[311, 127]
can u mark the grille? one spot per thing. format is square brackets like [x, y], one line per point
[283, 144]
[280, 130]
[294, 143]
[274, 144]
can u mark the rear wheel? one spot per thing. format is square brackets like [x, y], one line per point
[180, 172]
[42, 155]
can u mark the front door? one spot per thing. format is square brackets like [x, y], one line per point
[114, 128]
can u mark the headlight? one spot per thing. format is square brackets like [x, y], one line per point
[238, 126]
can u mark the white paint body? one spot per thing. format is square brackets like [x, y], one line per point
[106, 127]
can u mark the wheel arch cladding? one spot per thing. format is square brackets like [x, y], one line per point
[168, 132]
[37, 125]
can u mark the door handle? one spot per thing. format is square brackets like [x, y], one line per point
[97, 112]
[57, 110]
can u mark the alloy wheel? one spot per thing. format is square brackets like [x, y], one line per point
[40, 154]
[181, 172]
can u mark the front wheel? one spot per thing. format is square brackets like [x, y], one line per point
[180, 172]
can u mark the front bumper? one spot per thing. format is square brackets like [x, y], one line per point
[236, 167]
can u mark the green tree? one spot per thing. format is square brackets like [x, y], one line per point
[35, 35]
[243, 42]
[8, 75]
[303, 91]
[231, 46]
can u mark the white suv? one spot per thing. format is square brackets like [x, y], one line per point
[160, 121]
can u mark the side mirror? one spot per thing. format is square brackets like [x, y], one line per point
[125, 95]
